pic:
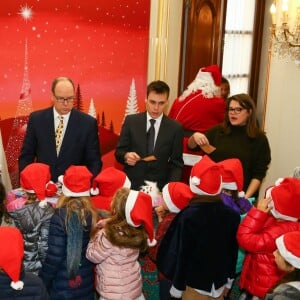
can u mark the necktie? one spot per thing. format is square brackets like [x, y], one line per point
[150, 137]
[58, 133]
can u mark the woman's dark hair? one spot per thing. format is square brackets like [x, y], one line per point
[117, 230]
[291, 276]
[246, 102]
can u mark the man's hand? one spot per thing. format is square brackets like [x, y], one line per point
[131, 158]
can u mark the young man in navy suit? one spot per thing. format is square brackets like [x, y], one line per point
[164, 162]
[79, 143]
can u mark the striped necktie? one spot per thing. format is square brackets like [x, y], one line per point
[59, 133]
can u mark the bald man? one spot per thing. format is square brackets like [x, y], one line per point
[79, 142]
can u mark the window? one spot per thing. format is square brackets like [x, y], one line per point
[238, 44]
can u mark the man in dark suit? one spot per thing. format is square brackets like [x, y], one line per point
[77, 142]
[164, 162]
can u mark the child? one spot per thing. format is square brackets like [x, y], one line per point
[199, 250]
[116, 247]
[14, 282]
[175, 197]
[33, 216]
[287, 258]
[232, 185]
[225, 88]
[66, 272]
[105, 184]
[5, 219]
[257, 234]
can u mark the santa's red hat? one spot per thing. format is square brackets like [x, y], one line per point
[76, 182]
[177, 196]
[215, 73]
[232, 175]
[138, 211]
[285, 199]
[205, 178]
[288, 246]
[11, 254]
[105, 184]
[35, 179]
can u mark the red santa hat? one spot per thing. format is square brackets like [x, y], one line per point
[76, 182]
[205, 178]
[105, 184]
[35, 179]
[285, 199]
[232, 175]
[11, 254]
[138, 211]
[215, 73]
[176, 195]
[208, 80]
[288, 246]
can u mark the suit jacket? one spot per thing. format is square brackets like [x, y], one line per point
[80, 145]
[167, 150]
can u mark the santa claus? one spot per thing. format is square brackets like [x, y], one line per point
[199, 108]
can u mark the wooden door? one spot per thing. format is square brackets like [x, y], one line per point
[203, 27]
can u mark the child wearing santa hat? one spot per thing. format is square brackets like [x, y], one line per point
[116, 247]
[14, 282]
[175, 197]
[199, 250]
[287, 258]
[274, 216]
[105, 184]
[66, 272]
[33, 216]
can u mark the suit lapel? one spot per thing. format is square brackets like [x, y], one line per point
[49, 129]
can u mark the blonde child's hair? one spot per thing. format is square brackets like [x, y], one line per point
[118, 231]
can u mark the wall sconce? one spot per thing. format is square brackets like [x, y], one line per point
[285, 41]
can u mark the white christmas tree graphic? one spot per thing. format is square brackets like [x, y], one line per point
[92, 110]
[131, 105]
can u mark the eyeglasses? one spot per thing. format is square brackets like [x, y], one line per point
[236, 110]
[62, 99]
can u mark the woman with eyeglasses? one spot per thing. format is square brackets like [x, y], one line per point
[239, 137]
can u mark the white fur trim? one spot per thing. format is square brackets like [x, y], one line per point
[167, 198]
[195, 180]
[278, 215]
[278, 181]
[60, 178]
[229, 185]
[17, 285]
[268, 192]
[175, 293]
[152, 243]
[43, 203]
[129, 206]
[69, 193]
[127, 183]
[286, 254]
[94, 191]
[197, 191]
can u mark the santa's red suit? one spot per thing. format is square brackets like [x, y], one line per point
[199, 107]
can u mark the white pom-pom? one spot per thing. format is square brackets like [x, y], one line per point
[60, 178]
[151, 243]
[195, 180]
[43, 203]
[241, 194]
[94, 192]
[18, 285]
[278, 181]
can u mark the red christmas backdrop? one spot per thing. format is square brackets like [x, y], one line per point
[102, 45]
